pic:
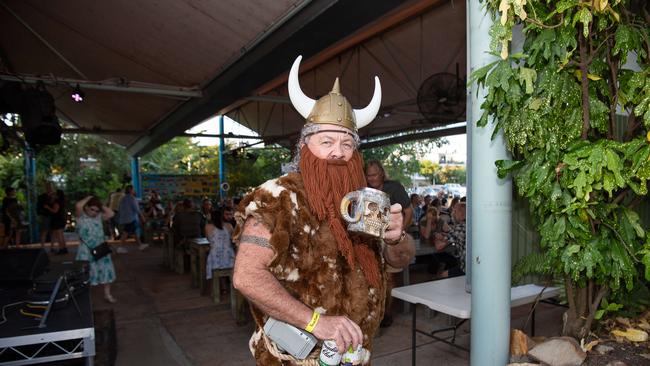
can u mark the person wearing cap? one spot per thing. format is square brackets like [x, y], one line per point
[296, 262]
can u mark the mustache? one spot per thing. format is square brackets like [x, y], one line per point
[337, 162]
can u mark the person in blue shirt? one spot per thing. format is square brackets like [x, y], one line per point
[129, 213]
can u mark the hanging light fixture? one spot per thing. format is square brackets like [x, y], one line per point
[77, 94]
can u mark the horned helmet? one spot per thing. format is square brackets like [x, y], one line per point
[332, 108]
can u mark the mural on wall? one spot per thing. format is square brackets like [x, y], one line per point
[171, 186]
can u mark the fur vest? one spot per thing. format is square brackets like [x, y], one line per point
[307, 262]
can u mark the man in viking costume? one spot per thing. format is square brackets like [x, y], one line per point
[296, 262]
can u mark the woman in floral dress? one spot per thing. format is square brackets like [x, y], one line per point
[222, 254]
[90, 214]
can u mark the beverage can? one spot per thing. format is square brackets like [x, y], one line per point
[352, 357]
[329, 354]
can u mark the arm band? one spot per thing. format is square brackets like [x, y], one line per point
[312, 323]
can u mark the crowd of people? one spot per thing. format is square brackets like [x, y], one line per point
[432, 220]
[52, 218]
[124, 217]
[442, 225]
[120, 217]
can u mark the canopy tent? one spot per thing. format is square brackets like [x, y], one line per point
[417, 61]
[152, 69]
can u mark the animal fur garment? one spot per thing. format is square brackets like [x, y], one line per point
[308, 262]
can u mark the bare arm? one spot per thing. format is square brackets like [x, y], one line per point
[228, 228]
[208, 229]
[425, 230]
[440, 242]
[107, 213]
[54, 208]
[79, 206]
[253, 278]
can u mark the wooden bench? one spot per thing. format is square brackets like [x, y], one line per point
[168, 249]
[181, 260]
[151, 234]
[181, 256]
[199, 249]
[237, 300]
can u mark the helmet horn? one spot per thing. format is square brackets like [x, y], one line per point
[366, 115]
[300, 101]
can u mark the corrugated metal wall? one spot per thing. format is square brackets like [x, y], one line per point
[525, 239]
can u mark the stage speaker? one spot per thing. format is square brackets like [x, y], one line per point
[20, 267]
[11, 97]
[38, 117]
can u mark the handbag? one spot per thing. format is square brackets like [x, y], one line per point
[100, 251]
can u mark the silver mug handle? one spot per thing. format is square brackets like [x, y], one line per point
[345, 206]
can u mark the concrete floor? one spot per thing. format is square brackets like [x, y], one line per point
[162, 321]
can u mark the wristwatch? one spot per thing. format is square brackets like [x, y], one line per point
[399, 240]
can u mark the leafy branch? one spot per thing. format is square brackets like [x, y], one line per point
[558, 105]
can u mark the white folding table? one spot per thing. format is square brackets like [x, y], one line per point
[448, 296]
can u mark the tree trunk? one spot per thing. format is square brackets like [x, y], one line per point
[583, 303]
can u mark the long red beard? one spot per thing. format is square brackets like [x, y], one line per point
[326, 182]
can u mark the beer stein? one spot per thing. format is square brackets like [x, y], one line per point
[370, 211]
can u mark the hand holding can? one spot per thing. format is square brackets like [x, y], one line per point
[329, 354]
[352, 357]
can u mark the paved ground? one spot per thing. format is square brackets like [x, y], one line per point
[162, 321]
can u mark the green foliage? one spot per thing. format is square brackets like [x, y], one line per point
[244, 169]
[82, 165]
[532, 263]
[451, 174]
[429, 169]
[12, 167]
[403, 160]
[628, 304]
[556, 103]
[255, 167]
[442, 175]
[606, 307]
[181, 156]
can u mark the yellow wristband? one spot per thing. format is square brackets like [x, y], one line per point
[312, 323]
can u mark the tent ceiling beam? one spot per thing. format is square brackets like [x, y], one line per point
[101, 131]
[435, 133]
[269, 98]
[117, 84]
[225, 135]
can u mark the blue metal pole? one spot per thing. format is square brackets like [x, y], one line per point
[135, 176]
[490, 213]
[222, 172]
[30, 180]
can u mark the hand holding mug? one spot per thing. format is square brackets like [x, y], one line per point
[394, 230]
[367, 211]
